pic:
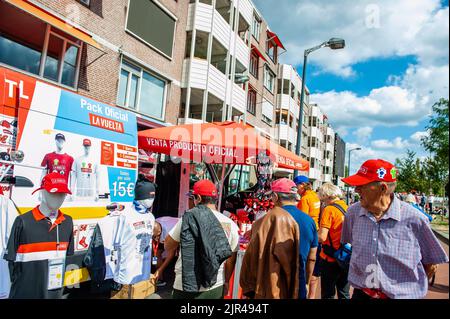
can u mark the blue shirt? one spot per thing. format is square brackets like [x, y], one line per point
[430, 218]
[308, 239]
[390, 254]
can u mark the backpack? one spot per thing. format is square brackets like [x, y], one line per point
[344, 252]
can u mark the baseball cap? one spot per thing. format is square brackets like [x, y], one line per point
[87, 142]
[373, 170]
[204, 188]
[284, 185]
[60, 136]
[301, 179]
[54, 183]
[144, 189]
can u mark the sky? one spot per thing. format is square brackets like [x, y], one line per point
[378, 91]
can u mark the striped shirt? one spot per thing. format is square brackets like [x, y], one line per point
[390, 254]
[33, 241]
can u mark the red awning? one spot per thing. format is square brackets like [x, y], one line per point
[259, 53]
[275, 38]
[217, 143]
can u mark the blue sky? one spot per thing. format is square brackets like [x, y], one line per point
[378, 91]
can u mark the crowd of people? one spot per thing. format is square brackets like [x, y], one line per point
[381, 246]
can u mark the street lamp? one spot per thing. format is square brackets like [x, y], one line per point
[348, 168]
[334, 44]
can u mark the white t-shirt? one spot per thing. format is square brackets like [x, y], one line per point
[135, 246]
[167, 224]
[232, 233]
[86, 171]
[110, 230]
[8, 214]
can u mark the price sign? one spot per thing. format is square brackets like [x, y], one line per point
[122, 183]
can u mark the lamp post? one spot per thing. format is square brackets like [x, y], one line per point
[348, 167]
[334, 44]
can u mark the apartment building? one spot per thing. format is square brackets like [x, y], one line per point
[230, 65]
[125, 53]
[288, 108]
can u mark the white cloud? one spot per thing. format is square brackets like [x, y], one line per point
[397, 143]
[363, 133]
[417, 137]
[371, 28]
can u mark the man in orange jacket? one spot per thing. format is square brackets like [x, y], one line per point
[310, 205]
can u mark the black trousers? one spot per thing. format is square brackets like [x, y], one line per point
[333, 278]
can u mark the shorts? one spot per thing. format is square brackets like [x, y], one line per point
[317, 268]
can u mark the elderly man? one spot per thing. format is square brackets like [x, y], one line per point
[394, 248]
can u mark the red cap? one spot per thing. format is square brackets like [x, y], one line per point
[54, 183]
[374, 170]
[87, 142]
[204, 188]
[284, 185]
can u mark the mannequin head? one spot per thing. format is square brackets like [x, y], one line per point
[144, 192]
[87, 146]
[60, 140]
[52, 202]
[53, 192]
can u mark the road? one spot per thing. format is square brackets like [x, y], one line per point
[440, 289]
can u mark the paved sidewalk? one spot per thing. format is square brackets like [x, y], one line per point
[440, 289]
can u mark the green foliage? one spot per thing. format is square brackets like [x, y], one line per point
[437, 142]
[431, 174]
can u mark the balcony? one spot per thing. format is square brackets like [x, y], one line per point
[287, 133]
[220, 28]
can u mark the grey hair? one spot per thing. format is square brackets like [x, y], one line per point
[287, 197]
[328, 190]
[390, 186]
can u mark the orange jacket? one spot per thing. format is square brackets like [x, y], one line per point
[333, 219]
[310, 204]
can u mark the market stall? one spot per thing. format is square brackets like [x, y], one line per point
[225, 143]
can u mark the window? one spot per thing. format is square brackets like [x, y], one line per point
[152, 24]
[269, 79]
[86, 2]
[254, 64]
[251, 101]
[313, 142]
[266, 119]
[271, 50]
[256, 27]
[141, 90]
[56, 59]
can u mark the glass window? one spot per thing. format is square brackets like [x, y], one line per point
[152, 24]
[24, 50]
[54, 50]
[251, 101]
[152, 96]
[133, 91]
[19, 55]
[254, 64]
[269, 79]
[256, 28]
[140, 90]
[123, 84]
[70, 65]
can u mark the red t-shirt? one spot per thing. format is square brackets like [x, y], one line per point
[59, 163]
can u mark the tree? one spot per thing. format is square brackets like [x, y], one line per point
[437, 143]
[408, 172]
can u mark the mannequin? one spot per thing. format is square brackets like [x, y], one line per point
[39, 242]
[8, 214]
[85, 176]
[58, 161]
